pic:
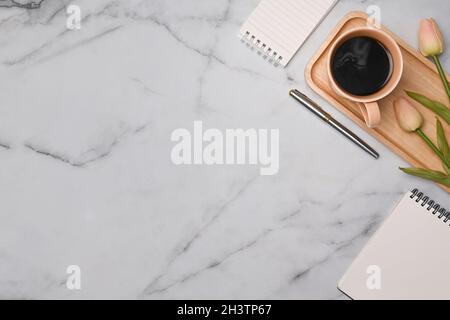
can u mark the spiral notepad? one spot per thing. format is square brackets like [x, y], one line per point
[277, 28]
[407, 258]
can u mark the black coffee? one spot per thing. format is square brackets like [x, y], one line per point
[361, 66]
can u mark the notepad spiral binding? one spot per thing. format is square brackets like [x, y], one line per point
[261, 48]
[431, 205]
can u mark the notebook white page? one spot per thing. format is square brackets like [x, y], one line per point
[279, 27]
[412, 253]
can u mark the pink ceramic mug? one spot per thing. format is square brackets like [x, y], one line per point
[369, 104]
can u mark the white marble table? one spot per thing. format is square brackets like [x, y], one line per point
[86, 177]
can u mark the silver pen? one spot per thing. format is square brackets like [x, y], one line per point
[318, 111]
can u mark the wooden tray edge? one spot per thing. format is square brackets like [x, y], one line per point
[308, 77]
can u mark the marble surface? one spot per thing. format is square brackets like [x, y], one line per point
[86, 177]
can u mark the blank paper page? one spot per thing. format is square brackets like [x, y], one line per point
[411, 254]
[279, 27]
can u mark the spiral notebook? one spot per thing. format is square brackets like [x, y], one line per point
[407, 258]
[277, 28]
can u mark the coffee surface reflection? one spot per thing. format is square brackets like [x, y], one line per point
[361, 66]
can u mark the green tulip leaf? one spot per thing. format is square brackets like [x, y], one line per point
[443, 144]
[430, 144]
[447, 169]
[432, 175]
[435, 106]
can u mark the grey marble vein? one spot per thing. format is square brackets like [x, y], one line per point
[35, 52]
[26, 4]
[92, 154]
[149, 290]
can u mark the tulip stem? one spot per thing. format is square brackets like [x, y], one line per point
[430, 144]
[441, 71]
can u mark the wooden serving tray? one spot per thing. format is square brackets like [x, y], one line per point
[419, 75]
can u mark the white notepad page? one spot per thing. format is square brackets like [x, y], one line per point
[407, 258]
[279, 27]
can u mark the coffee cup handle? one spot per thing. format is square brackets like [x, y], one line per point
[371, 114]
